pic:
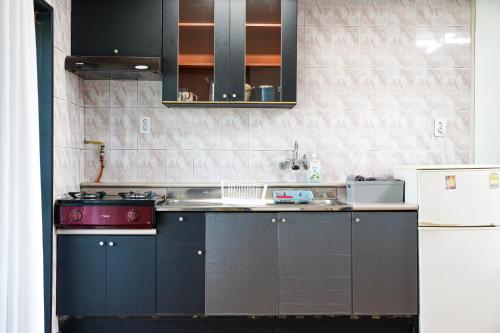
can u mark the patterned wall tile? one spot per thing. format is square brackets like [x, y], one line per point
[179, 165]
[235, 165]
[401, 13]
[96, 93]
[97, 124]
[151, 165]
[156, 138]
[207, 166]
[372, 77]
[123, 93]
[457, 47]
[123, 128]
[179, 131]
[150, 94]
[235, 129]
[208, 129]
[373, 12]
[122, 165]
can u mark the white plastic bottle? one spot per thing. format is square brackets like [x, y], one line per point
[314, 172]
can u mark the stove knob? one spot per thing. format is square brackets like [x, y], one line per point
[75, 215]
[133, 215]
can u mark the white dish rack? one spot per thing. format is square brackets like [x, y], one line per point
[241, 193]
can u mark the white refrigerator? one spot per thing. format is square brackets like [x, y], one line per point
[459, 246]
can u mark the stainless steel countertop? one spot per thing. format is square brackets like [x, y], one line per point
[216, 205]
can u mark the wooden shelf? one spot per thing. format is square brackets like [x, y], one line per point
[207, 60]
[197, 24]
[263, 60]
[196, 60]
[263, 25]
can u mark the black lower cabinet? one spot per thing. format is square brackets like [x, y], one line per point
[384, 254]
[242, 264]
[315, 263]
[181, 264]
[131, 275]
[81, 275]
[105, 275]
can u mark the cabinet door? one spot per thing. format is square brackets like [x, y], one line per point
[180, 263]
[242, 264]
[131, 275]
[384, 250]
[195, 37]
[314, 263]
[263, 40]
[132, 27]
[81, 275]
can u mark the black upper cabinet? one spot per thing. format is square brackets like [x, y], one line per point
[246, 48]
[131, 28]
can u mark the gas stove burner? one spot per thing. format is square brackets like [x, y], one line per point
[137, 195]
[87, 195]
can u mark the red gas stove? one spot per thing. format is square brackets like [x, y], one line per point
[131, 210]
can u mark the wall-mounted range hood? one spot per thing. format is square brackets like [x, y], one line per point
[115, 67]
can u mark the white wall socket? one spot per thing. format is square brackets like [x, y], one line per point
[439, 127]
[144, 125]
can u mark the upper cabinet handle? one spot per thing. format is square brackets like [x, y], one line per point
[224, 96]
[116, 51]
[234, 95]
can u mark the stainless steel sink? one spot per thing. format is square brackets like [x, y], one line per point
[269, 205]
[323, 202]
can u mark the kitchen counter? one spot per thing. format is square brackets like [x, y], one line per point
[202, 184]
[371, 207]
[269, 206]
[106, 232]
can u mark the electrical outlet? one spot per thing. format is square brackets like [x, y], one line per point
[145, 125]
[439, 127]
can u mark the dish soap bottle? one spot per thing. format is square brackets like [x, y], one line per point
[314, 172]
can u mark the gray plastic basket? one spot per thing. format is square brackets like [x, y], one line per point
[375, 191]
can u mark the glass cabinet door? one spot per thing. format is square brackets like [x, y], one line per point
[221, 51]
[263, 51]
[195, 51]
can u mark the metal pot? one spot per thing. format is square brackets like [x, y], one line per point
[266, 93]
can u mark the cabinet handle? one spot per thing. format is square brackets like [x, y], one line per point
[357, 220]
[111, 243]
[224, 96]
[181, 219]
[273, 220]
[234, 95]
[199, 252]
[116, 51]
[101, 243]
[283, 220]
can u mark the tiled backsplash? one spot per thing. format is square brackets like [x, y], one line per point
[68, 106]
[373, 75]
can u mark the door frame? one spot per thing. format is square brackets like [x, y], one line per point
[44, 30]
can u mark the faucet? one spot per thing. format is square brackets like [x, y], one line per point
[295, 163]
